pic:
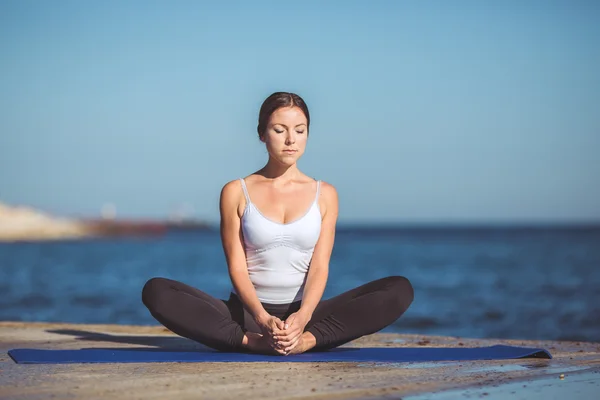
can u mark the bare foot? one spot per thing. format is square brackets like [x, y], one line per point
[306, 342]
[258, 343]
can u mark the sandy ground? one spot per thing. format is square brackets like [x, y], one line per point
[269, 380]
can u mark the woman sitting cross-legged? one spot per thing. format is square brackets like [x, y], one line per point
[277, 230]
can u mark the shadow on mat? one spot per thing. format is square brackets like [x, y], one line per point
[162, 342]
[200, 349]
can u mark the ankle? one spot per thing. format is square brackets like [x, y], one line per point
[309, 341]
[250, 340]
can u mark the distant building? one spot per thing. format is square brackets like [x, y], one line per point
[182, 213]
[109, 211]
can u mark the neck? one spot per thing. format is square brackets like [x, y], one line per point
[279, 172]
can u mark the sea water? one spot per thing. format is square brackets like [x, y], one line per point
[497, 282]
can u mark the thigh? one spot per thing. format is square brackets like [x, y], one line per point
[328, 306]
[211, 301]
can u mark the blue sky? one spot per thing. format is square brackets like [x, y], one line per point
[422, 112]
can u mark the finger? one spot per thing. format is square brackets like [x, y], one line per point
[284, 345]
[293, 345]
[279, 324]
[286, 339]
[269, 334]
[288, 335]
[290, 321]
[292, 329]
[279, 350]
[276, 346]
[279, 329]
[283, 340]
[275, 330]
[280, 332]
[289, 341]
[276, 323]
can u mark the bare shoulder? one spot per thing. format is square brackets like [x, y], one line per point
[328, 198]
[329, 192]
[231, 189]
[232, 195]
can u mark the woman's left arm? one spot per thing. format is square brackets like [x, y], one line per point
[318, 272]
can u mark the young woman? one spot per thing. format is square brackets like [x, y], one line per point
[277, 231]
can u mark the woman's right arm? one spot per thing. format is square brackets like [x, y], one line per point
[231, 238]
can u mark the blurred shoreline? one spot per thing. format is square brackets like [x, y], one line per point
[25, 224]
[19, 223]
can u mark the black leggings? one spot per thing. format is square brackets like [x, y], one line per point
[221, 324]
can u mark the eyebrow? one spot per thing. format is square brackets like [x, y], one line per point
[277, 123]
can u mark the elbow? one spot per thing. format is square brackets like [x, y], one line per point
[237, 271]
[319, 268]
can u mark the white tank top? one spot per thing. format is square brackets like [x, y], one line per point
[278, 255]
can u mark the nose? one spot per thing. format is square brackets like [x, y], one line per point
[291, 138]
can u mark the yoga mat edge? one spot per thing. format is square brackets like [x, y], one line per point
[348, 354]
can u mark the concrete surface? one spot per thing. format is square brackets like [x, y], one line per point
[277, 380]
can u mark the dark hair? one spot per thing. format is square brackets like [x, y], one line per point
[274, 102]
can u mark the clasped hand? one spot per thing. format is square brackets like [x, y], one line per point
[284, 336]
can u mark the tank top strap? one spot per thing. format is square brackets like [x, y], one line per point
[245, 189]
[318, 190]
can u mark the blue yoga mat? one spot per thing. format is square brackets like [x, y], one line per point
[375, 354]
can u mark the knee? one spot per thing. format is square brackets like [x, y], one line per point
[402, 293]
[152, 291]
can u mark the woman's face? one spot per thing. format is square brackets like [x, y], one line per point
[286, 135]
